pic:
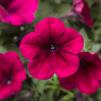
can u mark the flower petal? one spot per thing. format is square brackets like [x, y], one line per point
[21, 11]
[19, 73]
[42, 67]
[3, 13]
[12, 74]
[88, 76]
[72, 41]
[87, 82]
[4, 66]
[30, 45]
[50, 27]
[10, 90]
[66, 64]
[68, 82]
[82, 9]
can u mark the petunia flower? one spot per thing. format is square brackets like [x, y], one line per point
[12, 74]
[87, 78]
[81, 9]
[52, 48]
[18, 12]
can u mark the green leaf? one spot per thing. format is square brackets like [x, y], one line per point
[2, 49]
[89, 33]
[69, 1]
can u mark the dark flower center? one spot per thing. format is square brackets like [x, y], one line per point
[52, 47]
[5, 3]
[8, 82]
[5, 81]
[6, 78]
[85, 63]
[49, 47]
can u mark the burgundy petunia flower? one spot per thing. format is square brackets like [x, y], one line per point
[81, 9]
[17, 12]
[87, 78]
[12, 74]
[52, 48]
